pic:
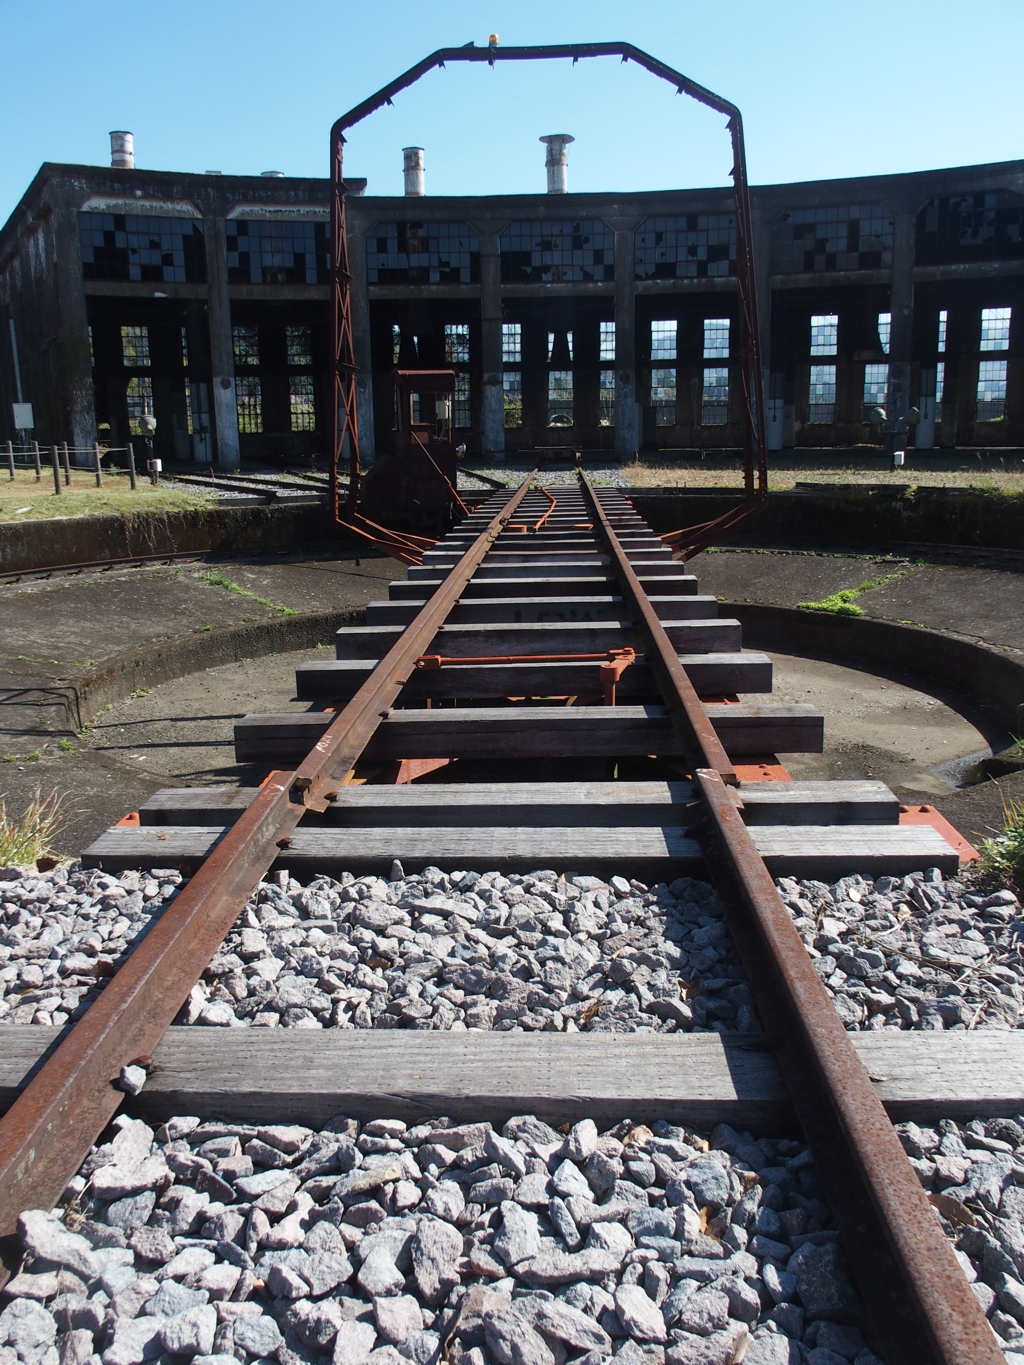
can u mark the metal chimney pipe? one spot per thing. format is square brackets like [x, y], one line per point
[557, 162]
[122, 151]
[415, 184]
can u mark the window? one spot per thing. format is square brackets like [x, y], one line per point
[116, 246]
[884, 331]
[554, 346]
[302, 402]
[560, 412]
[940, 382]
[246, 342]
[844, 237]
[697, 245]
[995, 329]
[716, 338]
[300, 347]
[714, 407]
[184, 347]
[555, 253]
[140, 401]
[512, 381]
[606, 344]
[135, 347]
[606, 399]
[269, 251]
[396, 342]
[876, 387]
[422, 253]
[456, 343]
[197, 409]
[511, 342]
[943, 320]
[988, 226]
[824, 333]
[460, 408]
[663, 339]
[821, 405]
[249, 404]
[991, 390]
[663, 395]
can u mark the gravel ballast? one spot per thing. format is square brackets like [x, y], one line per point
[221, 1243]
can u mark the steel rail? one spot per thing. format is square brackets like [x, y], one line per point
[701, 746]
[47, 1132]
[913, 1287]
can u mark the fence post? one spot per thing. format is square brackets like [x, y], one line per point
[55, 456]
[10, 459]
[67, 463]
[39, 466]
[98, 464]
[131, 465]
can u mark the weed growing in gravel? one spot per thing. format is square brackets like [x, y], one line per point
[25, 838]
[1002, 856]
[219, 580]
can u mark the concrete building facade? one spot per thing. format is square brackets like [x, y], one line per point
[602, 321]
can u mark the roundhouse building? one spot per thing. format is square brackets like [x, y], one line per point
[601, 321]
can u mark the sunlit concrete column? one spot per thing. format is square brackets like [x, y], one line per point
[492, 405]
[222, 351]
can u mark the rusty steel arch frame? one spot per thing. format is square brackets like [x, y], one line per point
[344, 417]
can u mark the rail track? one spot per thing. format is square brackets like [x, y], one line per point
[571, 696]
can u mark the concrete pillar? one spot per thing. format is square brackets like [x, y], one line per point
[901, 306]
[492, 406]
[773, 400]
[627, 408]
[222, 351]
[75, 408]
[924, 432]
[361, 344]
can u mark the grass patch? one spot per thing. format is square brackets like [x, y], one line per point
[219, 580]
[1002, 856]
[718, 473]
[844, 602]
[26, 500]
[31, 835]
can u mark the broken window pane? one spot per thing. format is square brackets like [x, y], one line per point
[140, 402]
[991, 390]
[943, 320]
[511, 342]
[556, 253]
[663, 339]
[663, 395]
[884, 331]
[396, 342]
[456, 343]
[843, 237]
[716, 338]
[876, 385]
[135, 347]
[824, 333]
[246, 341]
[714, 408]
[988, 226]
[513, 397]
[300, 350]
[559, 341]
[272, 251]
[422, 253]
[995, 329]
[607, 341]
[606, 399]
[821, 398]
[560, 412]
[249, 404]
[940, 382]
[184, 346]
[302, 401]
[461, 407]
[116, 246]
[696, 245]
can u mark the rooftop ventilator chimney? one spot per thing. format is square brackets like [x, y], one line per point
[122, 151]
[415, 184]
[557, 162]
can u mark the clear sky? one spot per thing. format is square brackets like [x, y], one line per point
[826, 89]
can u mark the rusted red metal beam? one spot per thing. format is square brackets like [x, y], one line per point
[46, 1133]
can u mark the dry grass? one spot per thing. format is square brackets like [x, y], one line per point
[648, 473]
[27, 500]
[32, 835]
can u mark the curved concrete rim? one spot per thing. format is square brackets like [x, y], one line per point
[991, 677]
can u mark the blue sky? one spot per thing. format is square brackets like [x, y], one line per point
[826, 89]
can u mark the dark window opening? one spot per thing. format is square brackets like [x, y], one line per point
[268, 251]
[422, 253]
[698, 245]
[850, 237]
[971, 227]
[117, 246]
[557, 253]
